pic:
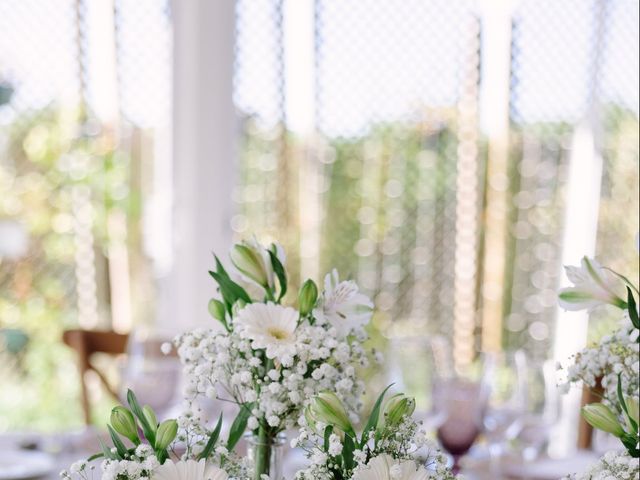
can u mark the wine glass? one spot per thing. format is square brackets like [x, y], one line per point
[462, 403]
[152, 375]
[541, 412]
[504, 375]
[414, 363]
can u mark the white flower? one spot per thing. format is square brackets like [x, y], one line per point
[189, 470]
[342, 305]
[384, 467]
[593, 286]
[269, 326]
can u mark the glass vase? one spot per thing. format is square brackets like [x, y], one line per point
[266, 455]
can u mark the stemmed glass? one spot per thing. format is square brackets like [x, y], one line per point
[462, 402]
[542, 410]
[458, 398]
[504, 375]
[152, 375]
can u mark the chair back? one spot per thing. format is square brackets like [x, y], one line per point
[86, 343]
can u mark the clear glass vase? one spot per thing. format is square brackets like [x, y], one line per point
[266, 455]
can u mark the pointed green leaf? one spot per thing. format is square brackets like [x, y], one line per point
[278, 268]
[213, 438]
[230, 290]
[633, 310]
[147, 429]
[106, 451]
[117, 442]
[373, 418]
[239, 425]
[348, 446]
[327, 434]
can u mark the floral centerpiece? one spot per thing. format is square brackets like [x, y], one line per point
[142, 448]
[284, 366]
[388, 448]
[613, 363]
[270, 358]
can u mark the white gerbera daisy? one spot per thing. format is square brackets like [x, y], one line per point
[189, 470]
[342, 305]
[271, 327]
[384, 467]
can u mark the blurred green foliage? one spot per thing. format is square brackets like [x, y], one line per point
[49, 156]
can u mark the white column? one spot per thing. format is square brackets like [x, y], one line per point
[205, 129]
[580, 229]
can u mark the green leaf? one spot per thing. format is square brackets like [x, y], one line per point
[348, 446]
[327, 434]
[147, 429]
[623, 404]
[95, 456]
[230, 290]
[219, 268]
[106, 451]
[633, 310]
[239, 425]
[373, 418]
[120, 447]
[278, 268]
[213, 438]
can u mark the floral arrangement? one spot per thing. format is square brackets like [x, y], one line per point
[615, 354]
[148, 456]
[614, 363]
[613, 465]
[269, 358]
[388, 447]
[284, 366]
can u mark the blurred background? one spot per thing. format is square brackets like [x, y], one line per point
[449, 156]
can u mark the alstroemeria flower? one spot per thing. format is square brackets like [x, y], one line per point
[342, 305]
[384, 467]
[594, 285]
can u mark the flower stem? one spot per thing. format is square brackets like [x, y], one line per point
[263, 453]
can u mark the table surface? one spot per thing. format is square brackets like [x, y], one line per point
[69, 447]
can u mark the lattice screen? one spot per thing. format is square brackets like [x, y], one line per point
[390, 186]
[91, 85]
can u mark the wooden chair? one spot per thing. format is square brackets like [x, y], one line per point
[86, 343]
[585, 431]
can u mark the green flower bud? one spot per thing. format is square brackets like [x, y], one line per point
[167, 431]
[307, 297]
[217, 310]
[308, 416]
[394, 410]
[150, 416]
[601, 417]
[250, 263]
[633, 409]
[123, 422]
[327, 408]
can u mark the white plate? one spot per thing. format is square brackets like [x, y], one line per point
[24, 464]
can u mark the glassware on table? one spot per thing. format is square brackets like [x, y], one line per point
[504, 376]
[459, 398]
[274, 452]
[414, 363]
[541, 412]
[462, 403]
[152, 375]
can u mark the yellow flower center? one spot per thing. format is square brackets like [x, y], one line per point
[278, 333]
